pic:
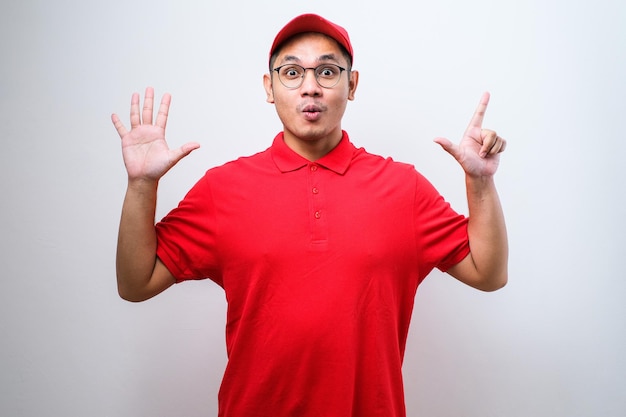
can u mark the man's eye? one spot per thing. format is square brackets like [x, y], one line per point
[327, 72]
[291, 72]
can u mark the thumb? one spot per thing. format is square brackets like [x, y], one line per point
[447, 145]
[184, 150]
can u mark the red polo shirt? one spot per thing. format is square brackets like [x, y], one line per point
[320, 262]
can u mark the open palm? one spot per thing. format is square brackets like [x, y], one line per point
[144, 149]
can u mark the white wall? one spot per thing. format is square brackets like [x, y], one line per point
[552, 343]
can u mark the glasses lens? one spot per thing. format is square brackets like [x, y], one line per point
[291, 75]
[327, 75]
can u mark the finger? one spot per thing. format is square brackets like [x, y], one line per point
[493, 145]
[498, 146]
[135, 119]
[119, 126]
[479, 114]
[164, 108]
[183, 151]
[489, 139]
[502, 146]
[447, 146]
[148, 104]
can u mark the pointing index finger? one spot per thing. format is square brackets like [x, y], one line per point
[479, 114]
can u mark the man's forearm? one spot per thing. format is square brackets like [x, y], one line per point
[136, 247]
[487, 232]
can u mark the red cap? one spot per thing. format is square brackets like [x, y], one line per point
[313, 23]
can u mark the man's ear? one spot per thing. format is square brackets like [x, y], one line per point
[354, 81]
[269, 90]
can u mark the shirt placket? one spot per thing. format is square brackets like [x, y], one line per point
[318, 217]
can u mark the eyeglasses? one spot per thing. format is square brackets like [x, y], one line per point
[292, 75]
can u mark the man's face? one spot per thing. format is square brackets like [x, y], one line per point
[311, 112]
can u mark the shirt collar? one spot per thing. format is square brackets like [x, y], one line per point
[337, 160]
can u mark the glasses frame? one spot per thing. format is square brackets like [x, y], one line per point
[314, 69]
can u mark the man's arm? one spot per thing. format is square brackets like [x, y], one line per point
[486, 267]
[140, 274]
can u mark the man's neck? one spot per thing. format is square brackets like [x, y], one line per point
[314, 149]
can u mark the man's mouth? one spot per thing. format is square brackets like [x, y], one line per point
[312, 112]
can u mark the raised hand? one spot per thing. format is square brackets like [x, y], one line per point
[144, 149]
[479, 149]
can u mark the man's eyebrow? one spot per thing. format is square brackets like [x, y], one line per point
[290, 58]
[328, 57]
[321, 58]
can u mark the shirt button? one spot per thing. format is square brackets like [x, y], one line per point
[318, 214]
[313, 168]
[315, 190]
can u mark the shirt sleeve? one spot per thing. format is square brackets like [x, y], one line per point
[441, 232]
[186, 236]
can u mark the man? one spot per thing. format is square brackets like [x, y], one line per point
[319, 246]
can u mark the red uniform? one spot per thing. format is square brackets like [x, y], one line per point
[320, 262]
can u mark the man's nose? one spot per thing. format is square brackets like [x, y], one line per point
[309, 83]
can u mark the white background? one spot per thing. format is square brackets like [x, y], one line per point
[552, 343]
